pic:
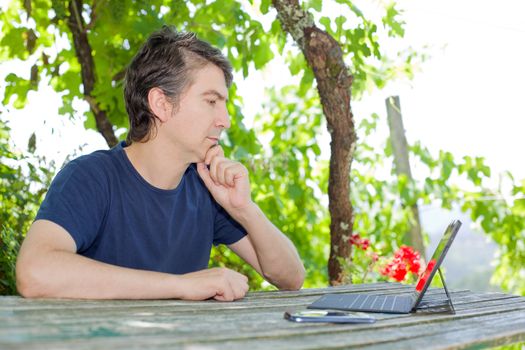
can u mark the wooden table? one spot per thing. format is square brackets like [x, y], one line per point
[256, 322]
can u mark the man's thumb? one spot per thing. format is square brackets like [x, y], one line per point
[204, 173]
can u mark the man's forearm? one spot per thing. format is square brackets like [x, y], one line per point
[279, 261]
[62, 274]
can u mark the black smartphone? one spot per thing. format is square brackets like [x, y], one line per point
[329, 316]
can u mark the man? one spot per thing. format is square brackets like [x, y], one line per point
[138, 221]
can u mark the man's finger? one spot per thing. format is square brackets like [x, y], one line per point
[204, 173]
[229, 175]
[213, 152]
[216, 169]
[240, 290]
[231, 172]
[226, 293]
[220, 170]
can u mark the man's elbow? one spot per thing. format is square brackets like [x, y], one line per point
[29, 280]
[298, 279]
[290, 281]
[294, 284]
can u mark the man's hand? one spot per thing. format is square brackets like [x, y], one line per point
[226, 180]
[218, 283]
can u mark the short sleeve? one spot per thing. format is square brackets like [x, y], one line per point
[77, 201]
[226, 229]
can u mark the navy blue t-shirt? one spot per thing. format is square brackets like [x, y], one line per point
[116, 217]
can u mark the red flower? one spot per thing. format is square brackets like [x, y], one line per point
[355, 239]
[405, 260]
[415, 266]
[359, 242]
[400, 272]
[365, 243]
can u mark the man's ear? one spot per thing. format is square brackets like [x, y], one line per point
[159, 104]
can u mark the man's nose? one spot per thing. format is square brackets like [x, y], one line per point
[223, 120]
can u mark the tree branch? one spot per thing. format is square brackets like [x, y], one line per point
[93, 17]
[85, 58]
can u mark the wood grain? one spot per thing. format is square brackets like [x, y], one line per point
[256, 322]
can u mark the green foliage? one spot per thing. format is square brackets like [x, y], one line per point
[359, 38]
[285, 179]
[503, 219]
[10, 244]
[23, 182]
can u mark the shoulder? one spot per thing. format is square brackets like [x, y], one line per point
[93, 168]
[97, 160]
[101, 160]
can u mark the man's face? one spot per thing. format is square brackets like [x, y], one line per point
[195, 126]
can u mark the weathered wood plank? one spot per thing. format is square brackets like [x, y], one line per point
[255, 322]
[216, 326]
[30, 318]
[25, 315]
[33, 317]
[415, 336]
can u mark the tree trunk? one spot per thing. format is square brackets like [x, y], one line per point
[324, 55]
[84, 55]
[402, 166]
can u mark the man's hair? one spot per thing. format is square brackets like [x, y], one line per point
[166, 61]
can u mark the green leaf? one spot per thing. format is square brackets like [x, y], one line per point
[390, 21]
[31, 144]
[339, 21]
[13, 43]
[447, 162]
[326, 22]
[18, 87]
[296, 62]
[295, 191]
[90, 122]
[262, 55]
[316, 149]
[314, 4]
[306, 82]
[265, 6]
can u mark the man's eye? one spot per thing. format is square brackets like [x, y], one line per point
[212, 102]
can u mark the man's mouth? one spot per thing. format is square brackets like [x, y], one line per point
[213, 139]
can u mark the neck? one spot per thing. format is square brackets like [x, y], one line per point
[159, 165]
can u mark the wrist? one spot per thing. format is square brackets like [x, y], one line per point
[246, 214]
[176, 285]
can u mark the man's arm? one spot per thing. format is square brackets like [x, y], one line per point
[48, 266]
[269, 251]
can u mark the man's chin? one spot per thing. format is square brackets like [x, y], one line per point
[202, 157]
[199, 158]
